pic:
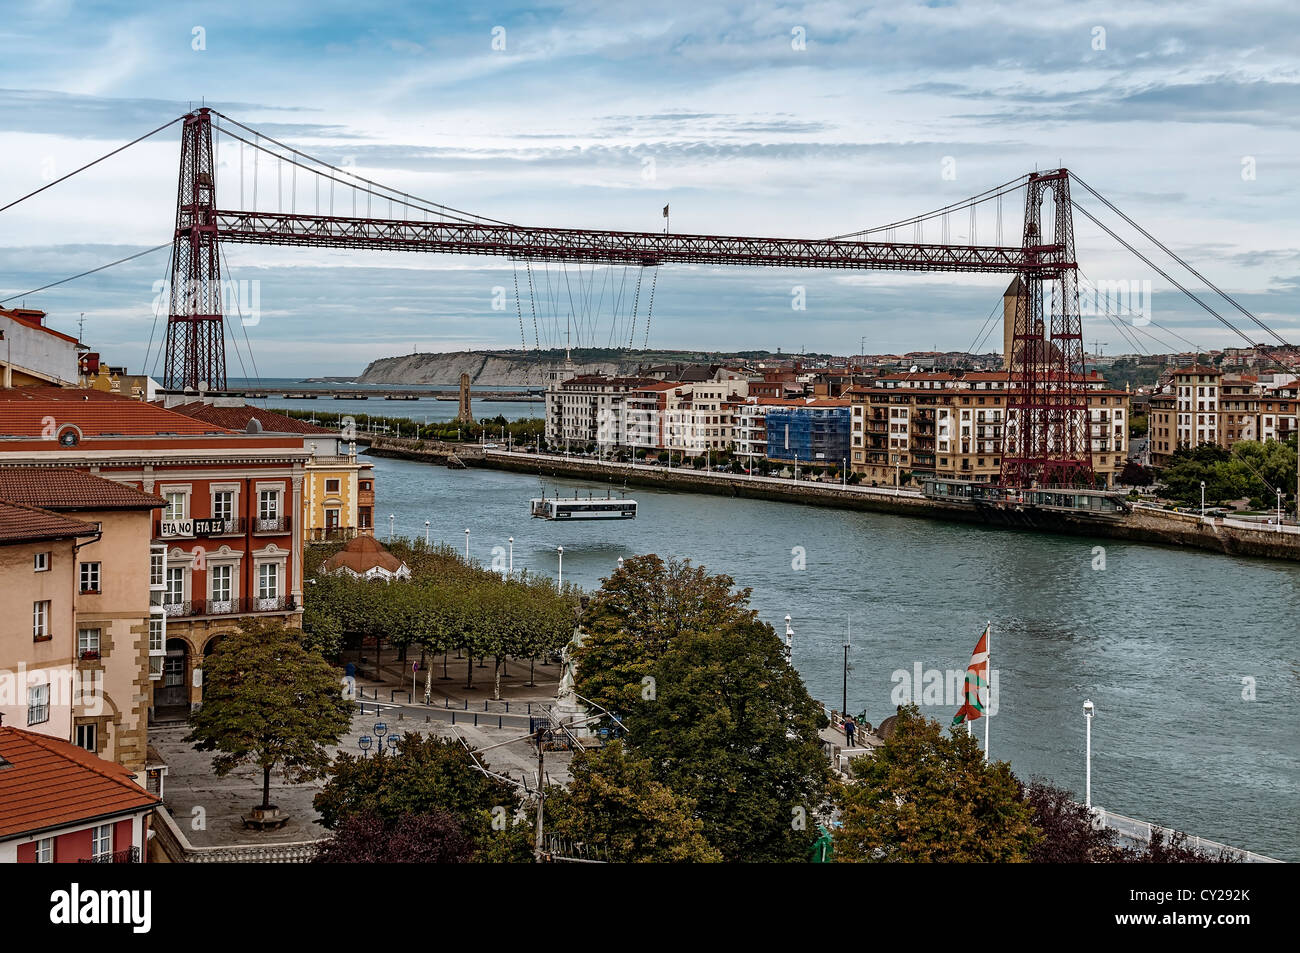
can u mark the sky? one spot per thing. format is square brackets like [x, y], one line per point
[787, 119]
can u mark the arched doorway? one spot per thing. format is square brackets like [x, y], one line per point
[172, 696]
[208, 649]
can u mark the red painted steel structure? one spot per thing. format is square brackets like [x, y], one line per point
[1045, 442]
[1047, 435]
[196, 345]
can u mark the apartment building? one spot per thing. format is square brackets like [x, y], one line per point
[908, 427]
[587, 410]
[227, 535]
[88, 637]
[814, 430]
[1201, 404]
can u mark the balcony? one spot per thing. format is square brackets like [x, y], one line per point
[129, 856]
[197, 528]
[199, 608]
[274, 524]
[328, 534]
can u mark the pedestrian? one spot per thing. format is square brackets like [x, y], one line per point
[850, 726]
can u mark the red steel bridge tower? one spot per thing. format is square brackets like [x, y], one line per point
[196, 347]
[1046, 437]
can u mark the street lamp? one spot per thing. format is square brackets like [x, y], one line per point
[1202, 499]
[511, 569]
[1087, 782]
[789, 638]
[426, 532]
[391, 517]
[620, 562]
[560, 582]
[844, 709]
[467, 544]
[381, 728]
[1279, 511]
[364, 743]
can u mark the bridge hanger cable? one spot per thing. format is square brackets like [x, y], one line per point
[995, 192]
[369, 193]
[106, 155]
[1181, 261]
[414, 198]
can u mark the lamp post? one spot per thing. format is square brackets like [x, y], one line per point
[620, 562]
[381, 729]
[364, 743]
[1279, 511]
[789, 639]
[1202, 499]
[844, 471]
[426, 532]
[844, 709]
[560, 582]
[1087, 777]
[467, 544]
[510, 570]
[391, 517]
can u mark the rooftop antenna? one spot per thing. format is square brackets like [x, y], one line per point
[81, 328]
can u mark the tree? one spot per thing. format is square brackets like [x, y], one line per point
[269, 701]
[615, 804]
[1134, 474]
[731, 726]
[368, 838]
[635, 616]
[1069, 834]
[428, 774]
[924, 796]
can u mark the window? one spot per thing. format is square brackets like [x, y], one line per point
[90, 577]
[268, 505]
[101, 842]
[332, 486]
[175, 508]
[175, 592]
[157, 564]
[156, 629]
[223, 505]
[87, 641]
[42, 563]
[38, 704]
[268, 581]
[40, 621]
[222, 583]
[86, 737]
[45, 850]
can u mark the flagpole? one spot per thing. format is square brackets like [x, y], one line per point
[988, 690]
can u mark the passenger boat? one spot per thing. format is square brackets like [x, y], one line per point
[553, 508]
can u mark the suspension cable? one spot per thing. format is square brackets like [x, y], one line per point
[120, 261]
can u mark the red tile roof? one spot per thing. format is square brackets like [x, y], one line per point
[29, 411]
[46, 783]
[23, 524]
[64, 488]
[362, 554]
[34, 319]
[237, 418]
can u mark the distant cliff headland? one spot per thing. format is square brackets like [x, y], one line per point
[528, 368]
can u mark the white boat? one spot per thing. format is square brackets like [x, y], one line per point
[577, 509]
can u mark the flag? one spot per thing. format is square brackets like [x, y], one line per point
[665, 211]
[977, 680]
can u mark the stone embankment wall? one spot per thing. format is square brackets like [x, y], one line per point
[1143, 524]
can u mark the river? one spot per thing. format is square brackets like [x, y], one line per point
[1165, 642]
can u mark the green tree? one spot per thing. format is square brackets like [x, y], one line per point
[269, 701]
[927, 796]
[731, 726]
[615, 804]
[637, 613]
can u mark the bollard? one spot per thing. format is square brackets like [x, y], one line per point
[453, 718]
[507, 706]
[498, 721]
[426, 719]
